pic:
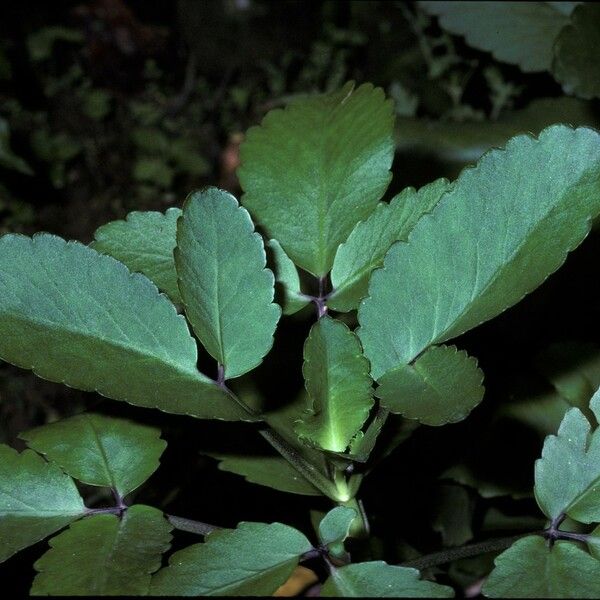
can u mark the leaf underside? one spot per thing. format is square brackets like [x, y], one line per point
[505, 225]
[226, 289]
[78, 317]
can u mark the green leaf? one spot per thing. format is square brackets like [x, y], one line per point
[593, 542]
[36, 499]
[379, 580]
[144, 242]
[366, 246]
[100, 450]
[335, 525]
[505, 225]
[567, 476]
[103, 555]
[576, 53]
[453, 511]
[75, 316]
[442, 386]
[519, 33]
[530, 569]
[8, 159]
[287, 282]
[312, 171]
[271, 471]
[41, 42]
[338, 384]
[252, 560]
[226, 289]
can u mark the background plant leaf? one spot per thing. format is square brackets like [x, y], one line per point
[36, 499]
[226, 289]
[100, 450]
[75, 316]
[338, 384]
[368, 242]
[335, 525]
[104, 555]
[254, 559]
[494, 237]
[530, 569]
[442, 386]
[144, 241]
[312, 171]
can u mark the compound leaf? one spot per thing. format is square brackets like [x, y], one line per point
[567, 476]
[312, 171]
[144, 241]
[103, 555]
[531, 569]
[442, 386]
[576, 53]
[78, 317]
[254, 559]
[504, 226]
[36, 499]
[335, 525]
[271, 471]
[377, 579]
[368, 242]
[519, 33]
[100, 450]
[287, 282]
[226, 289]
[338, 384]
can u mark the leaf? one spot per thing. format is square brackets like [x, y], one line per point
[442, 386]
[252, 560]
[466, 141]
[453, 513]
[312, 171]
[226, 289]
[335, 525]
[377, 579]
[8, 159]
[144, 242]
[36, 499]
[100, 450]
[505, 225]
[567, 476]
[287, 282]
[576, 52]
[519, 33]
[103, 555]
[366, 246]
[593, 542]
[272, 471]
[338, 383]
[78, 317]
[530, 569]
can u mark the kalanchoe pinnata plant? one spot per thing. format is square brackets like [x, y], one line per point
[117, 317]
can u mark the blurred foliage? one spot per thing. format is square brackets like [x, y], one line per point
[109, 106]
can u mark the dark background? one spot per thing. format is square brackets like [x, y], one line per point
[116, 105]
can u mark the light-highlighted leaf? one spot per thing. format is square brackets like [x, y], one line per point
[226, 289]
[576, 52]
[144, 242]
[100, 450]
[77, 317]
[335, 525]
[442, 386]
[36, 499]
[252, 560]
[567, 476]
[531, 569]
[271, 471]
[377, 579]
[103, 555]
[287, 282]
[338, 384]
[505, 225]
[366, 246]
[519, 33]
[312, 171]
